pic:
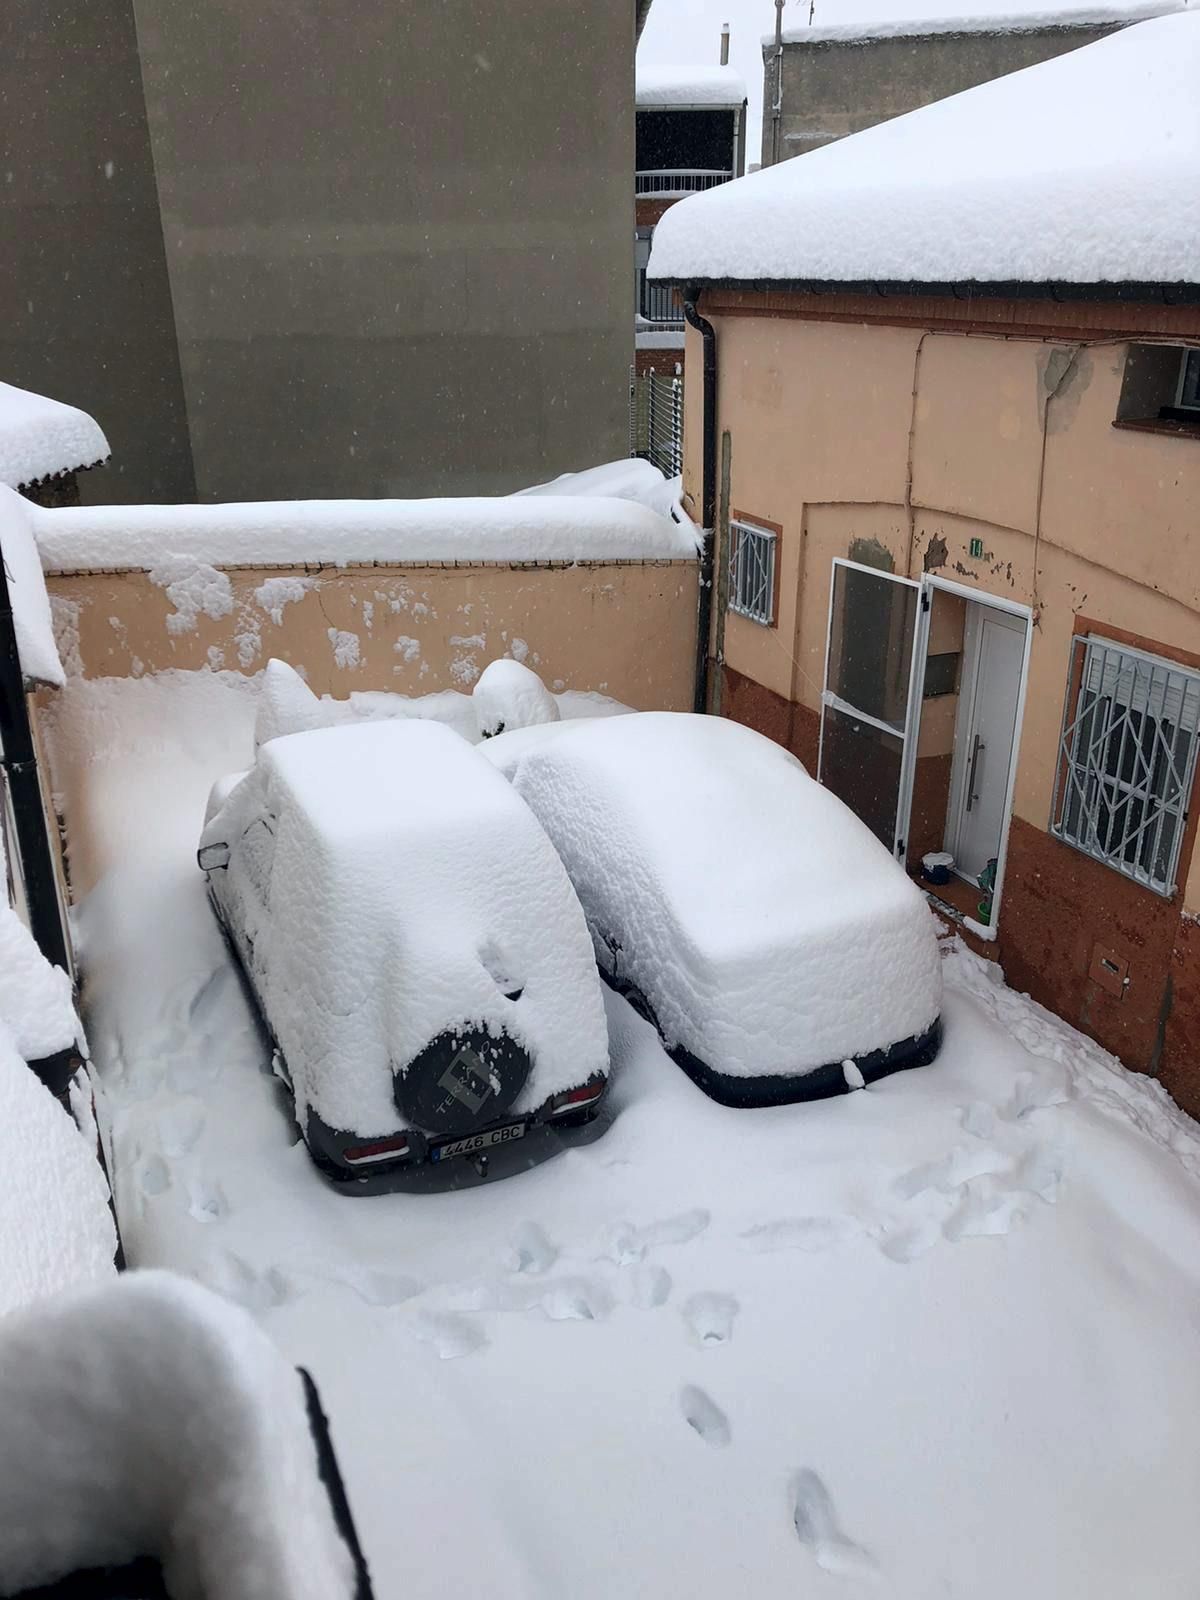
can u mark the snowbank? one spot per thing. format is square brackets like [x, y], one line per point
[400, 889]
[769, 929]
[27, 591]
[40, 437]
[350, 532]
[631, 479]
[149, 1417]
[1033, 21]
[56, 1231]
[1031, 178]
[288, 705]
[692, 88]
[509, 695]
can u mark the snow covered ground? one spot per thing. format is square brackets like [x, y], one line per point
[935, 1338]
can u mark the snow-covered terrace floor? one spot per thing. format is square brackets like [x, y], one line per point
[955, 1316]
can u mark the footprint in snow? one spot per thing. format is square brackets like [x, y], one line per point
[153, 1177]
[576, 1300]
[985, 1210]
[904, 1244]
[206, 1200]
[626, 1243]
[450, 1336]
[180, 1127]
[816, 1525]
[651, 1286]
[381, 1288]
[948, 1172]
[258, 1289]
[531, 1250]
[702, 1414]
[709, 1318]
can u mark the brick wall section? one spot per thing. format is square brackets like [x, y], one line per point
[1179, 1069]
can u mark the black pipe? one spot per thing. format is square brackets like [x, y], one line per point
[708, 495]
[18, 757]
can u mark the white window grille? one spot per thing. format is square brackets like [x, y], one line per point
[1187, 396]
[1127, 760]
[752, 572]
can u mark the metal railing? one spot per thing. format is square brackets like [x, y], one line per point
[666, 181]
[656, 420]
[658, 303]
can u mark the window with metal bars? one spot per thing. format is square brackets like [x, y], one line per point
[1127, 760]
[1187, 394]
[752, 572]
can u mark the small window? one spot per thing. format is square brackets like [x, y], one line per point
[1127, 760]
[1187, 397]
[752, 572]
[941, 675]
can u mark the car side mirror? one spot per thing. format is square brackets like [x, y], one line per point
[212, 857]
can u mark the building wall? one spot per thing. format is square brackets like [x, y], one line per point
[626, 628]
[834, 88]
[85, 306]
[398, 239]
[898, 444]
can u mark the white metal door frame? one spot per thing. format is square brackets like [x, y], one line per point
[926, 586]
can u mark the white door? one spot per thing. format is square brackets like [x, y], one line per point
[994, 648]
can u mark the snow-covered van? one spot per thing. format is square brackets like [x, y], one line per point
[779, 950]
[414, 943]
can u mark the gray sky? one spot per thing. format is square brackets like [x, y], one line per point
[688, 32]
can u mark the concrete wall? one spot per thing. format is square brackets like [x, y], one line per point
[909, 441]
[835, 88]
[398, 239]
[85, 308]
[626, 629]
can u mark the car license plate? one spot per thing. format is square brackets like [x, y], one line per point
[478, 1141]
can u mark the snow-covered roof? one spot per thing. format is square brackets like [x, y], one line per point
[1081, 170]
[39, 437]
[1094, 16]
[36, 649]
[689, 88]
[354, 532]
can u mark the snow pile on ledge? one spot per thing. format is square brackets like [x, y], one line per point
[40, 437]
[629, 479]
[56, 1231]
[1095, 16]
[715, 88]
[1083, 169]
[352, 532]
[150, 1417]
[767, 926]
[404, 876]
[36, 649]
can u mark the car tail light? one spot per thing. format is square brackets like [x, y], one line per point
[575, 1098]
[361, 1155]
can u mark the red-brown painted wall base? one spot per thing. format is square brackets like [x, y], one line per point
[794, 726]
[664, 362]
[1180, 1067]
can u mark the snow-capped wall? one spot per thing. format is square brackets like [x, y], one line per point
[675, 88]
[27, 591]
[1032, 21]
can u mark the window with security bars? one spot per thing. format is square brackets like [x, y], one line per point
[1127, 760]
[1187, 397]
[752, 572]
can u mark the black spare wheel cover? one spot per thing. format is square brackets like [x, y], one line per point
[462, 1081]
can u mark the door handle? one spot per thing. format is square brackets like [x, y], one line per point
[976, 748]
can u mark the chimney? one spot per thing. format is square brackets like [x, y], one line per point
[724, 44]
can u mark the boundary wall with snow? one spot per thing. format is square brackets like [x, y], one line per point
[412, 596]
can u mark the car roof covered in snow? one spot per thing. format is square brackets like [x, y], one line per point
[736, 871]
[711, 88]
[407, 891]
[41, 438]
[1080, 171]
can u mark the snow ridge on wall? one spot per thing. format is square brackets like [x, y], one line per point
[40, 437]
[1096, 16]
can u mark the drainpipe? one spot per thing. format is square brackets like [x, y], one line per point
[708, 493]
[724, 44]
[777, 107]
[18, 758]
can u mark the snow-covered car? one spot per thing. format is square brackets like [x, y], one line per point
[415, 946]
[756, 922]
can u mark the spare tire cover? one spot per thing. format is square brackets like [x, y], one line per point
[463, 1080]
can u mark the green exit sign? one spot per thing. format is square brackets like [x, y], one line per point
[976, 547]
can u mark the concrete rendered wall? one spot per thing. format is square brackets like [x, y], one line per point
[85, 307]
[398, 239]
[835, 88]
[914, 442]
